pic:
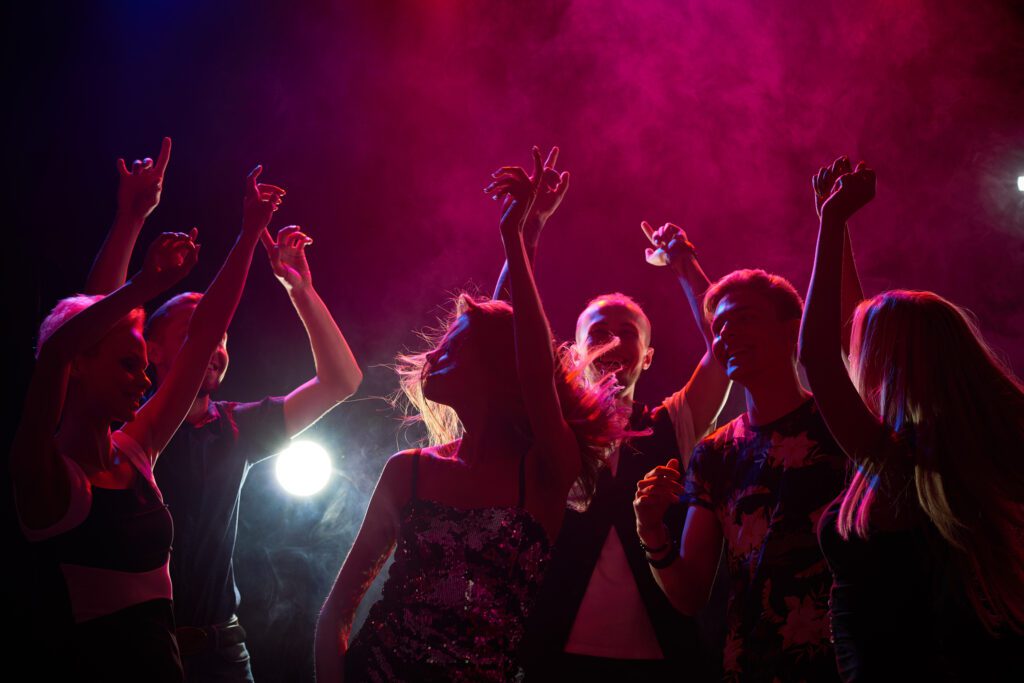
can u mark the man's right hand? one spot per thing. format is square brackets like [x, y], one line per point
[670, 245]
[655, 494]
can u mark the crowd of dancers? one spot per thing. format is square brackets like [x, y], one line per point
[551, 526]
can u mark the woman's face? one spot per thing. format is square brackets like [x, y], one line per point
[452, 370]
[112, 377]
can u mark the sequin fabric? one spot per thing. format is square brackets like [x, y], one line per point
[456, 598]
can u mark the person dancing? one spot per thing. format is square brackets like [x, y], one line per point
[88, 493]
[472, 518]
[925, 544]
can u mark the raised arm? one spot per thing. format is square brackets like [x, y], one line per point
[708, 386]
[535, 355]
[685, 571]
[39, 477]
[855, 428]
[549, 196]
[370, 550]
[852, 293]
[138, 193]
[337, 373]
[160, 417]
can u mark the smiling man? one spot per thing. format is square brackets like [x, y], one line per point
[758, 485]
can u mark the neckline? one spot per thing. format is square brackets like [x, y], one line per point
[771, 426]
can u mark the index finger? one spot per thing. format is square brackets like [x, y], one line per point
[649, 231]
[538, 167]
[164, 156]
[552, 158]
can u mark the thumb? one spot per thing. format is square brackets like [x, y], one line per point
[673, 464]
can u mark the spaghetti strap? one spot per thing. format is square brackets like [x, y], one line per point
[415, 471]
[522, 481]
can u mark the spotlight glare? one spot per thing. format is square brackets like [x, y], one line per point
[303, 468]
[1020, 183]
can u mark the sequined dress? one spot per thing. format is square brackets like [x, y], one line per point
[457, 595]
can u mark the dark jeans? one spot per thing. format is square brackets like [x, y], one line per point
[224, 665]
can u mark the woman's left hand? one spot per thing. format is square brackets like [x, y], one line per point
[518, 191]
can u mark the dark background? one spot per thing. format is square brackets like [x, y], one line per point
[383, 121]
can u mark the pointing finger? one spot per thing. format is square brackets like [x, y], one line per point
[164, 156]
[552, 158]
[649, 231]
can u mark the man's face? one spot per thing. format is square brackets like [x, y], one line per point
[602, 323]
[164, 347]
[749, 337]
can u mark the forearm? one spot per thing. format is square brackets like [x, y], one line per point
[695, 283]
[852, 292]
[336, 366]
[110, 269]
[687, 592]
[214, 312]
[501, 289]
[87, 328]
[534, 352]
[821, 328]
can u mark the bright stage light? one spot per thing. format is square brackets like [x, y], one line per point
[303, 468]
[1020, 183]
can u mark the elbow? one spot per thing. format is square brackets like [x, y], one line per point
[341, 388]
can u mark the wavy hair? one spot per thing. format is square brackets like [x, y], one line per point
[921, 364]
[590, 409]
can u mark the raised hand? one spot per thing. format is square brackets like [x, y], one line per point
[170, 258]
[849, 194]
[138, 191]
[288, 257]
[550, 192]
[518, 191]
[260, 203]
[655, 493]
[824, 182]
[670, 244]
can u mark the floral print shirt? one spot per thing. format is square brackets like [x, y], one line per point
[768, 485]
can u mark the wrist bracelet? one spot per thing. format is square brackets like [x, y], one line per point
[666, 561]
[649, 550]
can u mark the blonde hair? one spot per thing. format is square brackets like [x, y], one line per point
[921, 364]
[69, 307]
[590, 410]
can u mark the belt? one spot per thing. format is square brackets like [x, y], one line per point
[193, 640]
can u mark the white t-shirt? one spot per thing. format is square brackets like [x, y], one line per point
[612, 620]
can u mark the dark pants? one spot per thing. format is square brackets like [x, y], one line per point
[224, 665]
[133, 644]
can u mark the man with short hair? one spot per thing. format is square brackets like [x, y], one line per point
[757, 485]
[203, 468]
[600, 613]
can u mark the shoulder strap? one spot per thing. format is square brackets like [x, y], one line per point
[415, 471]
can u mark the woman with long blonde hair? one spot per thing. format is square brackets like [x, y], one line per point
[471, 516]
[925, 544]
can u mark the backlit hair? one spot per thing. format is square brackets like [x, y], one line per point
[68, 308]
[779, 290]
[921, 364]
[160, 318]
[591, 411]
[613, 299]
